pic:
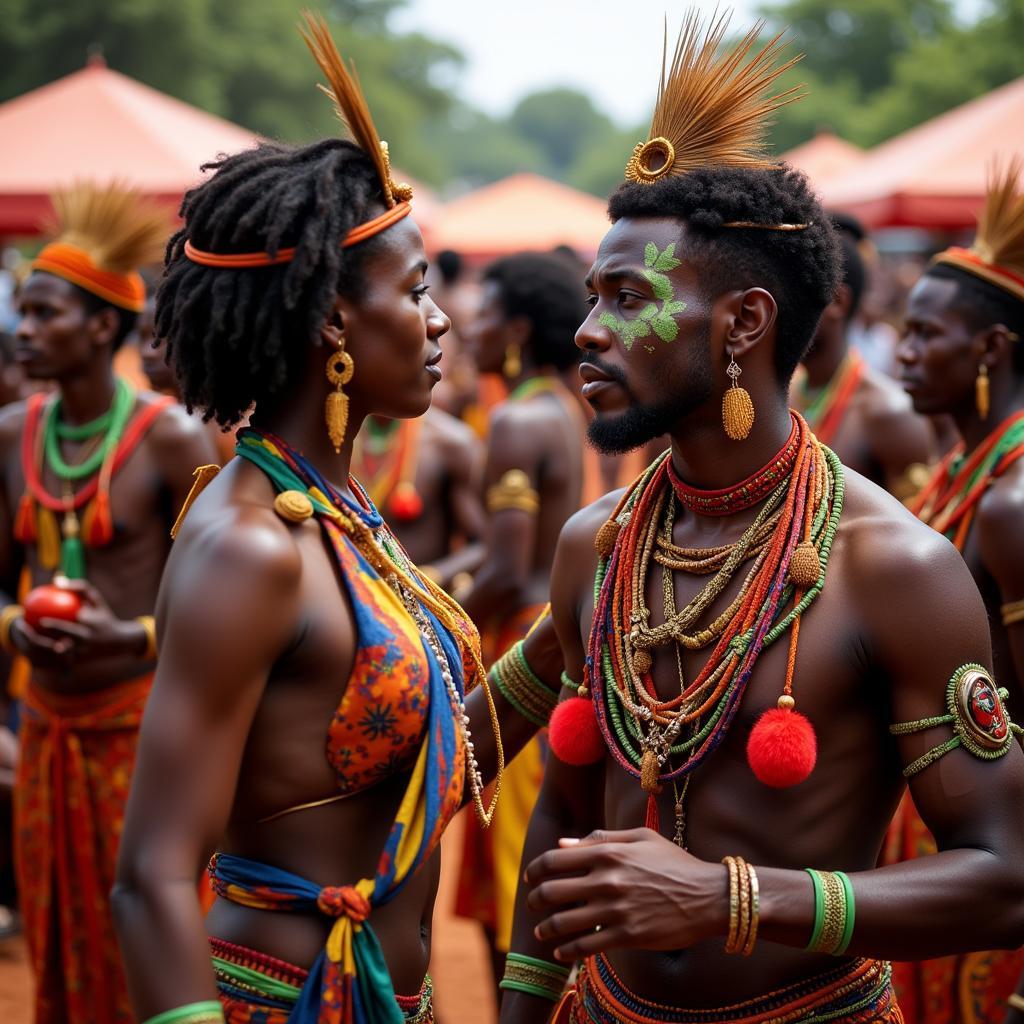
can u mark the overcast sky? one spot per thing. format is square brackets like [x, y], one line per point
[610, 49]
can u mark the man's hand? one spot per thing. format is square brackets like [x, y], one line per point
[97, 633]
[615, 890]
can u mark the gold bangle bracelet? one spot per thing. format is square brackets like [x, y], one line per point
[755, 908]
[7, 619]
[1012, 612]
[734, 904]
[1016, 1001]
[148, 624]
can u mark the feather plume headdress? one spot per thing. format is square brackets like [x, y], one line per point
[997, 254]
[102, 235]
[347, 95]
[350, 104]
[713, 108]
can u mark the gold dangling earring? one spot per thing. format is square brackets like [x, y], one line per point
[981, 391]
[513, 365]
[340, 368]
[737, 408]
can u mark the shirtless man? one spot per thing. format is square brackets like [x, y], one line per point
[531, 305]
[90, 676]
[695, 722]
[861, 414]
[424, 477]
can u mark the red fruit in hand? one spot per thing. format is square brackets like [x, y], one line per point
[51, 602]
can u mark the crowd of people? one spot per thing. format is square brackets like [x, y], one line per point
[303, 551]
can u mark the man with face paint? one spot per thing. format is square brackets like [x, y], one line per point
[92, 477]
[759, 645]
[860, 413]
[531, 305]
[961, 355]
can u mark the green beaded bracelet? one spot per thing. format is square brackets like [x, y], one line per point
[819, 908]
[534, 977]
[850, 915]
[207, 1012]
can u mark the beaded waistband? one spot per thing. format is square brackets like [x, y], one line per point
[855, 992]
[264, 982]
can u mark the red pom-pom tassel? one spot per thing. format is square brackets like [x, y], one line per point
[782, 748]
[405, 503]
[574, 734]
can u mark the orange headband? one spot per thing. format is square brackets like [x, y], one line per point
[245, 260]
[127, 291]
[969, 261]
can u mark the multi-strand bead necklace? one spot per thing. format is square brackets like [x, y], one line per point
[663, 741]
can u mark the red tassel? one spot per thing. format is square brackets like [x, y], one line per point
[25, 529]
[98, 529]
[405, 504]
[782, 748]
[574, 734]
[652, 819]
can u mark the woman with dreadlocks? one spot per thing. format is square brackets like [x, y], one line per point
[289, 611]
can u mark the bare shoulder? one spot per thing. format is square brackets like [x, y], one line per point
[232, 527]
[891, 559]
[580, 530]
[174, 424]
[451, 434]
[998, 523]
[884, 400]
[12, 423]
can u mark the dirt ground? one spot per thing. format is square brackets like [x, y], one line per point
[462, 987]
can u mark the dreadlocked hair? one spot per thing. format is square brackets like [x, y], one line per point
[546, 289]
[983, 305]
[237, 337]
[801, 269]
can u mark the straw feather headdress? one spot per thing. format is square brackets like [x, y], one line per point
[997, 254]
[103, 234]
[714, 108]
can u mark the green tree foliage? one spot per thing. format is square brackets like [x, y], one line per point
[875, 68]
[244, 61]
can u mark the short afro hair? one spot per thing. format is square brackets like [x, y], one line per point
[801, 269]
[983, 304]
[236, 337]
[126, 318]
[544, 288]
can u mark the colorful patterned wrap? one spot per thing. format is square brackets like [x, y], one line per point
[258, 989]
[349, 983]
[970, 988]
[74, 770]
[854, 993]
[489, 872]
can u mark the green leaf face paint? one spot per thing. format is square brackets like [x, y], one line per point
[651, 318]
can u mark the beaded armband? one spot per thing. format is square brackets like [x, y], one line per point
[834, 912]
[518, 684]
[534, 977]
[513, 490]
[978, 716]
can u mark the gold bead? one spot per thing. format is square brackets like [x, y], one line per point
[805, 566]
[294, 506]
[606, 538]
[642, 661]
[649, 771]
[786, 702]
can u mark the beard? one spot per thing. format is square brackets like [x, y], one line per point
[686, 388]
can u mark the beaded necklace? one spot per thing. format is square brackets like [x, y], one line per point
[644, 733]
[428, 605]
[950, 499]
[827, 410]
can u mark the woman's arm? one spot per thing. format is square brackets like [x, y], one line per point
[229, 604]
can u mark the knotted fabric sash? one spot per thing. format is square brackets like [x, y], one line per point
[350, 983]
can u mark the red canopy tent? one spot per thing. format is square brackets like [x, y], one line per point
[824, 158]
[934, 176]
[100, 125]
[524, 211]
